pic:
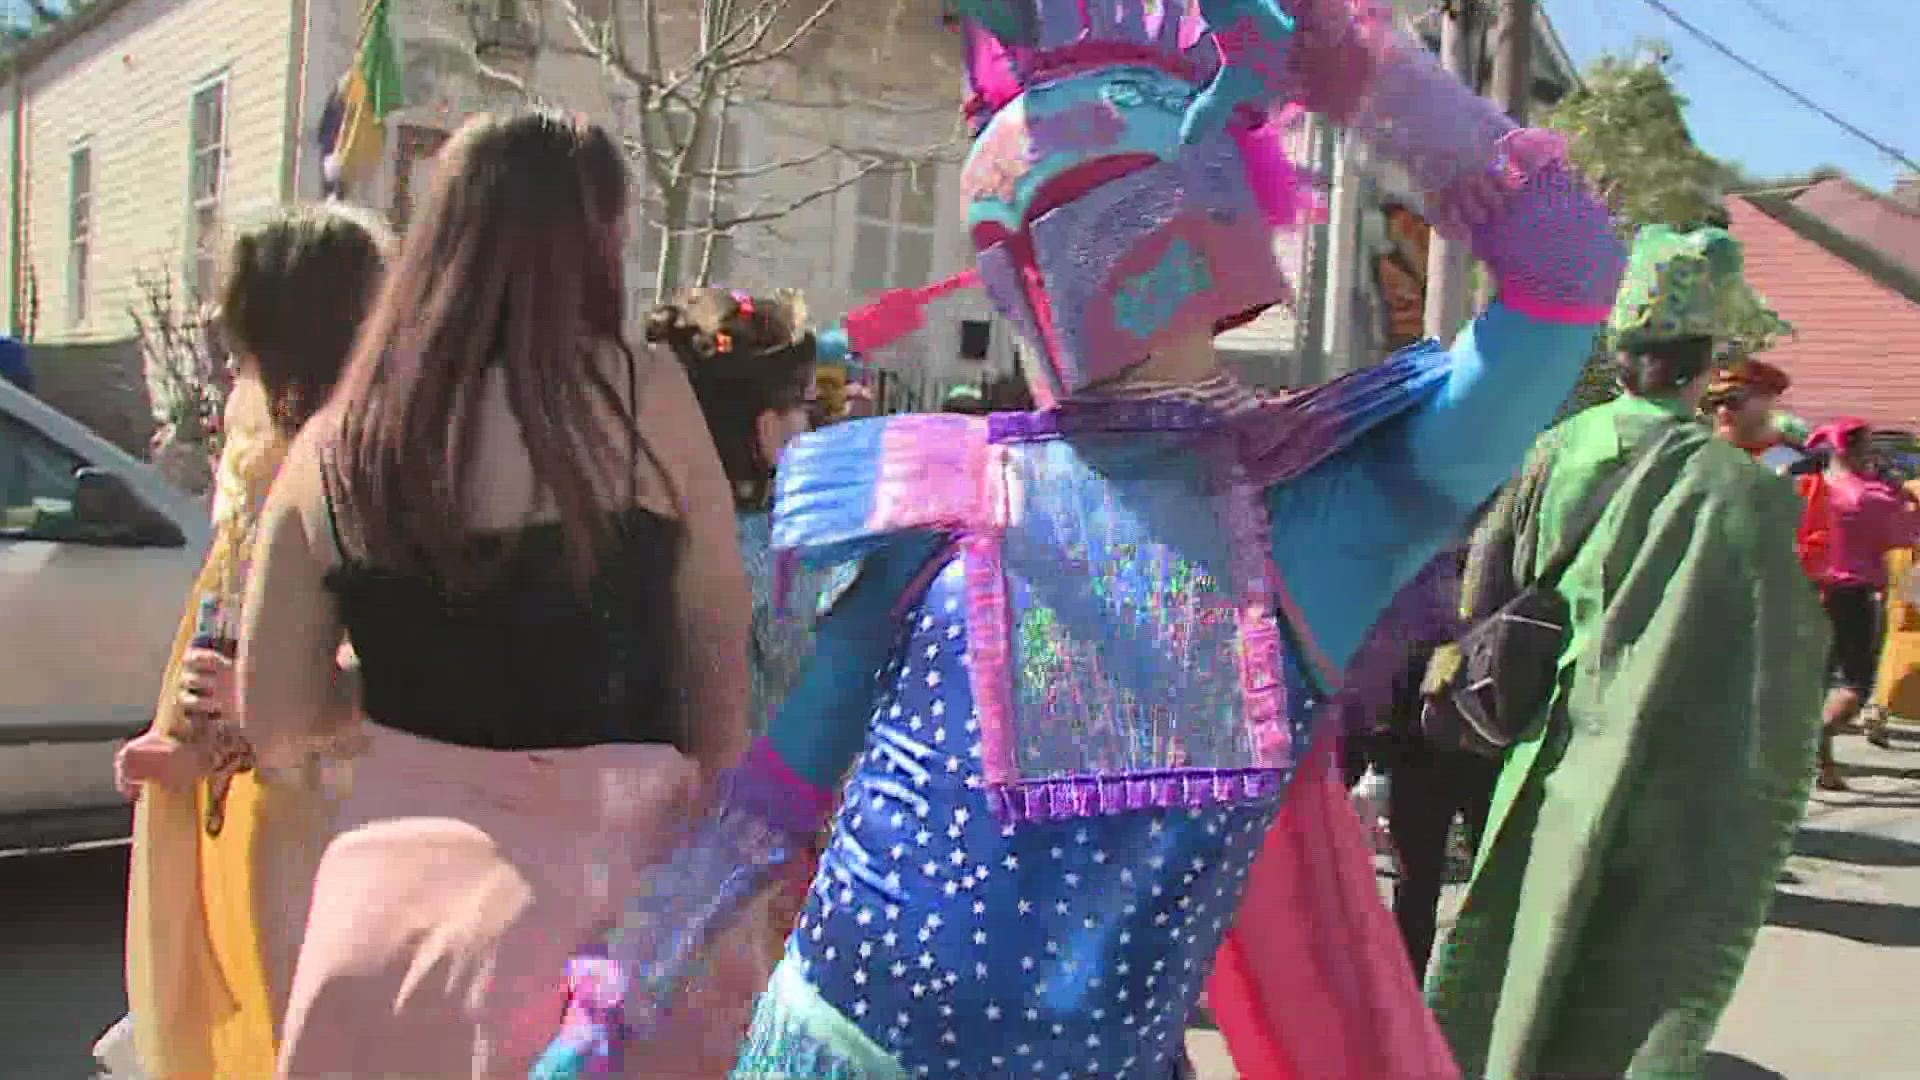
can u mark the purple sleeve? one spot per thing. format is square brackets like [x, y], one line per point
[1548, 240]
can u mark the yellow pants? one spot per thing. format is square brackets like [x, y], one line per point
[1897, 690]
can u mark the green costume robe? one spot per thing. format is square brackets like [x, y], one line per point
[1639, 829]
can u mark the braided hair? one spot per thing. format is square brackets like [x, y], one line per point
[745, 356]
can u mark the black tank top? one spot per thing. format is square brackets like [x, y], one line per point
[530, 661]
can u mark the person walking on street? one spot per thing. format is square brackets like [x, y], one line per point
[224, 851]
[1739, 403]
[1641, 818]
[1428, 785]
[525, 530]
[1852, 520]
[1097, 738]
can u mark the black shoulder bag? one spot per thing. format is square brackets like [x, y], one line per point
[1510, 660]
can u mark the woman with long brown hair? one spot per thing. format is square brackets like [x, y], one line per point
[526, 532]
[223, 853]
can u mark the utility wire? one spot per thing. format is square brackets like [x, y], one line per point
[1775, 19]
[1780, 22]
[1714, 43]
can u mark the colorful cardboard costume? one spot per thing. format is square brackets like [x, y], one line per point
[1104, 629]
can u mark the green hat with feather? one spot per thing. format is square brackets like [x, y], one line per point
[1689, 284]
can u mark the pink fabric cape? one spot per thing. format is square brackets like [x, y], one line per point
[1312, 981]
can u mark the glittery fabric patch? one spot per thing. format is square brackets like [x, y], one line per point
[1118, 588]
[797, 1036]
[622, 990]
[970, 949]
[781, 642]
[1421, 117]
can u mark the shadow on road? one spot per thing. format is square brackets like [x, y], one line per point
[1728, 1067]
[1868, 799]
[1861, 849]
[1893, 925]
[1890, 772]
[62, 923]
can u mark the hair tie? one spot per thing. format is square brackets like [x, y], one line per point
[745, 303]
[722, 342]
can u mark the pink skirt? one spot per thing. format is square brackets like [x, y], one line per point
[461, 880]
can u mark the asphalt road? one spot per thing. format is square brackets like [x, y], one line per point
[1827, 993]
[62, 919]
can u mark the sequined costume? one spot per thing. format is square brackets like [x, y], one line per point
[782, 639]
[1103, 629]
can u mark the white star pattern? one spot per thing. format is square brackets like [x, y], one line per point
[1056, 957]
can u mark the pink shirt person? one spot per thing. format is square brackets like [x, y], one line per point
[1869, 517]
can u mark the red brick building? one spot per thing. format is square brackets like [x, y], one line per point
[1890, 224]
[1854, 306]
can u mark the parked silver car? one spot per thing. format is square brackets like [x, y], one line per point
[97, 553]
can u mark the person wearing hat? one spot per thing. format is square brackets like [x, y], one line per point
[1739, 403]
[1640, 821]
[1852, 520]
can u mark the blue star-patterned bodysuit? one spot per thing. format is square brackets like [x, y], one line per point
[938, 940]
[1083, 943]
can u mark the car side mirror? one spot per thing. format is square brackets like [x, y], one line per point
[107, 511]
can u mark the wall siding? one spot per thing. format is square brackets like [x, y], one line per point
[125, 87]
[810, 248]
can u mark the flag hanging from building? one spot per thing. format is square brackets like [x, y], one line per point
[353, 128]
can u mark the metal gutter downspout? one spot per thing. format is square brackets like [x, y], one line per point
[16, 208]
[299, 38]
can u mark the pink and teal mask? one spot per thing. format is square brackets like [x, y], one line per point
[1124, 182]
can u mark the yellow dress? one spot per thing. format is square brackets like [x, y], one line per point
[1897, 690]
[213, 921]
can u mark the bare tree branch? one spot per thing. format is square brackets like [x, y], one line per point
[751, 172]
[714, 188]
[782, 209]
[696, 65]
[506, 80]
[749, 57]
[888, 108]
[713, 56]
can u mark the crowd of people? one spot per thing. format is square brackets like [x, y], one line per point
[554, 705]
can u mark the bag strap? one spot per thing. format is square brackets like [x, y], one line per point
[1587, 518]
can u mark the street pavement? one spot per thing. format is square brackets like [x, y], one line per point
[1830, 989]
[1829, 992]
[62, 920]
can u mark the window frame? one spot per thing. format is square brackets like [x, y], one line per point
[204, 212]
[895, 226]
[80, 204]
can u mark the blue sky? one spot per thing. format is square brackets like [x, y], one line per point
[1855, 57]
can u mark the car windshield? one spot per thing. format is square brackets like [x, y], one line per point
[36, 479]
